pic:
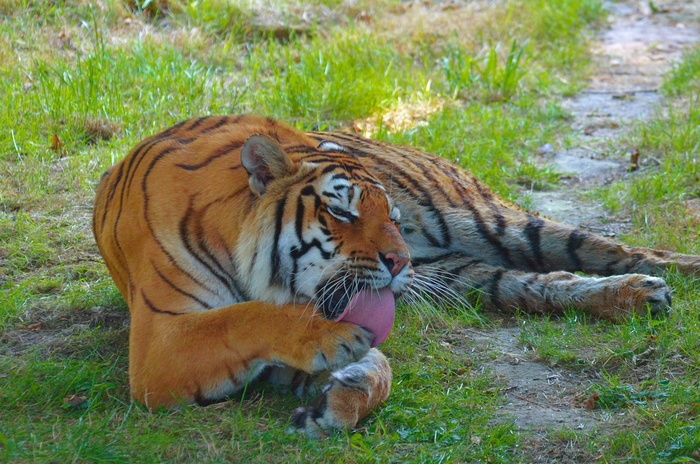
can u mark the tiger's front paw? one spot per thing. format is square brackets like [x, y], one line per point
[351, 394]
[340, 344]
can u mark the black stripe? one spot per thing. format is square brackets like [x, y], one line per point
[182, 141]
[222, 122]
[293, 276]
[197, 122]
[122, 256]
[487, 195]
[275, 275]
[223, 151]
[130, 174]
[431, 259]
[299, 223]
[298, 252]
[135, 158]
[300, 149]
[532, 232]
[487, 235]
[494, 293]
[112, 191]
[174, 128]
[335, 176]
[334, 158]
[178, 289]
[153, 308]
[576, 239]
[457, 271]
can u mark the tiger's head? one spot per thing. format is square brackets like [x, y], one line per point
[321, 229]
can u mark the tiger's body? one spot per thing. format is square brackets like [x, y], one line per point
[236, 240]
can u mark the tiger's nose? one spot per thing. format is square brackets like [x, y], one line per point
[394, 262]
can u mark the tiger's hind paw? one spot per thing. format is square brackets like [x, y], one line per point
[639, 294]
[651, 293]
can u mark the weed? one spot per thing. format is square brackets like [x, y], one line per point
[498, 81]
[326, 80]
[685, 76]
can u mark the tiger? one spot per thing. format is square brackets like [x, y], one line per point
[236, 242]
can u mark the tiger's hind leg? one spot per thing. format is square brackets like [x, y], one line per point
[504, 235]
[552, 246]
[614, 297]
[350, 395]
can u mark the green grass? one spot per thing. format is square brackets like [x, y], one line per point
[344, 76]
[649, 369]
[102, 78]
[684, 78]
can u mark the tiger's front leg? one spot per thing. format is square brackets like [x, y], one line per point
[200, 357]
[615, 297]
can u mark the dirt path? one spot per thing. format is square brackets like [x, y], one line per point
[630, 56]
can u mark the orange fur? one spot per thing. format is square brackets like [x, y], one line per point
[169, 220]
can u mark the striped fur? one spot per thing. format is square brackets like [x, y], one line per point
[235, 240]
[465, 239]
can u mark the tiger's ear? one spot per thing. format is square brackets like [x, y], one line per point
[265, 161]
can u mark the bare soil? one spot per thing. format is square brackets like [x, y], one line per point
[630, 57]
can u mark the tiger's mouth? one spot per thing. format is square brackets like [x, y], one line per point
[334, 297]
[370, 308]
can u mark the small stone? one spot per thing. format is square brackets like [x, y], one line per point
[545, 150]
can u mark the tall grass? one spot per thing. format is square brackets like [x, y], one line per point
[326, 79]
[486, 72]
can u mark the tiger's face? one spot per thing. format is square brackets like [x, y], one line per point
[334, 231]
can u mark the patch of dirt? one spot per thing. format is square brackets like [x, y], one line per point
[539, 396]
[66, 334]
[630, 56]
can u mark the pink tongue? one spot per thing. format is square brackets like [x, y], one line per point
[373, 310]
